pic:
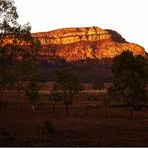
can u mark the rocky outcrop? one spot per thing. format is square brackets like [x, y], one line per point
[71, 35]
[97, 50]
[74, 44]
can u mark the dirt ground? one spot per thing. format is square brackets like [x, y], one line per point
[19, 126]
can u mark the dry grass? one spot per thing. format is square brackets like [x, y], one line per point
[19, 126]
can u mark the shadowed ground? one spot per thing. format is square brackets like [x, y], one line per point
[19, 126]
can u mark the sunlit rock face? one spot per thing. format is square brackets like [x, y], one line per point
[74, 44]
[81, 43]
[71, 35]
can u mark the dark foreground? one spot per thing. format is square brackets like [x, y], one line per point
[21, 127]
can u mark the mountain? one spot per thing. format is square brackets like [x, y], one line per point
[87, 51]
[73, 44]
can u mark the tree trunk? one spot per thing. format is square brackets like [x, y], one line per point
[106, 113]
[66, 110]
[41, 106]
[53, 108]
[131, 113]
[33, 108]
[86, 110]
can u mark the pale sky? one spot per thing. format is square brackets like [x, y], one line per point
[127, 17]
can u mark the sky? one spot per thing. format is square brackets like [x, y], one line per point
[127, 17]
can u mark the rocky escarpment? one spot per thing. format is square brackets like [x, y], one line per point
[97, 50]
[71, 35]
[74, 44]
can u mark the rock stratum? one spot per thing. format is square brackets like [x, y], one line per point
[74, 44]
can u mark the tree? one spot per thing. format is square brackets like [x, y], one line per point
[130, 79]
[32, 91]
[67, 86]
[55, 96]
[12, 37]
[106, 100]
[98, 85]
[8, 15]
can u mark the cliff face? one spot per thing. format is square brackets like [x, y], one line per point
[71, 35]
[74, 44]
[97, 50]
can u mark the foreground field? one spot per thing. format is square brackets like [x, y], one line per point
[19, 126]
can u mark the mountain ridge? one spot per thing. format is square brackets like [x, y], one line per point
[87, 51]
[74, 44]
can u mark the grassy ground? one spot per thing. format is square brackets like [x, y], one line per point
[19, 126]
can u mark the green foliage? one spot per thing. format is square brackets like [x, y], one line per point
[130, 78]
[32, 90]
[128, 62]
[98, 85]
[55, 94]
[27, 68]
[6, 80]
[111, 91]
[67, 82]
[8, 15]
[11, 67]
[66, 87]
